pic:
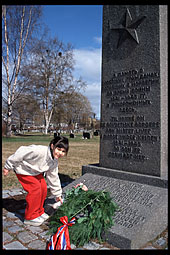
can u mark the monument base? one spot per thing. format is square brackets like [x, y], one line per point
[124, 175]
[142, 202]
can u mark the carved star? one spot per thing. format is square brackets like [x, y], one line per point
[127, 28]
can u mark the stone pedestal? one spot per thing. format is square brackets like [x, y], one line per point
[142, 213]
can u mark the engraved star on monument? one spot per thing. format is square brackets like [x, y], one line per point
[127, 28]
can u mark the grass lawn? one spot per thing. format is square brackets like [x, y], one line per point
[81, 152]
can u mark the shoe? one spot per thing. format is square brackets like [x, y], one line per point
[45, 216]
[35, 222]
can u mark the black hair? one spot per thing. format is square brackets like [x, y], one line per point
[60, 142]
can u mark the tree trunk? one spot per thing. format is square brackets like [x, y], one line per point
[47, 120]
[25, 28]
[9, 121]
[46, 123]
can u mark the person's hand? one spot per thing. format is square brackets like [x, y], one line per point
[59, 199]
[58, 203]
[5, 171]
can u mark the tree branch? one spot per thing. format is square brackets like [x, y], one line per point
[7, 47]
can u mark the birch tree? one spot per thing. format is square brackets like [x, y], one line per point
[50, 74]
[18, 24]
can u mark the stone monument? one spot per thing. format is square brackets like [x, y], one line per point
[133, 145]
[134, 92]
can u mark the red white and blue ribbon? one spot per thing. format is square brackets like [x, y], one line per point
[61, 240]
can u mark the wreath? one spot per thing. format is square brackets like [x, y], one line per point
[93, 213]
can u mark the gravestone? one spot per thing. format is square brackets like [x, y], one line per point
[96, 133]
[56, 134]
[86, 135]
[71, 135]
[133, 144]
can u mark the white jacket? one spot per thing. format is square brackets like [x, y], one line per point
[33, 160]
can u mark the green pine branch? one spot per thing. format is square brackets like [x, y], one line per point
[93, 223]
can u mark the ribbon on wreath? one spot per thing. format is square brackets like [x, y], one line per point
[61, 240]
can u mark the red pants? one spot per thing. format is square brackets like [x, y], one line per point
[37, 191]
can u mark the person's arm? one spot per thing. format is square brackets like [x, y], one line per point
[59, 199]
[22, 154]
[12, 160]
[54, 183]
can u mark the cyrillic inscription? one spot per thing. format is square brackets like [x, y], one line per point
[125, 93]
[129, 90]
[128, 196]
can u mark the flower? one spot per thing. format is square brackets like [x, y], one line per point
[84, 187]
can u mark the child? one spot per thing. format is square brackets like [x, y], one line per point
[29, 163]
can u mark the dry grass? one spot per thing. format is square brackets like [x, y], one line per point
[81, 152]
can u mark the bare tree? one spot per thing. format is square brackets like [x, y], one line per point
[27, 108]
[50, 74]
[18, 24]
[72, 108]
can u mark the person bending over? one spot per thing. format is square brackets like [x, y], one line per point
[30, 163]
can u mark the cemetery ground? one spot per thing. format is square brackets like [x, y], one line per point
[81, 152]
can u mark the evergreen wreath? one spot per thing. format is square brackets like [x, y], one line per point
[93, 212]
